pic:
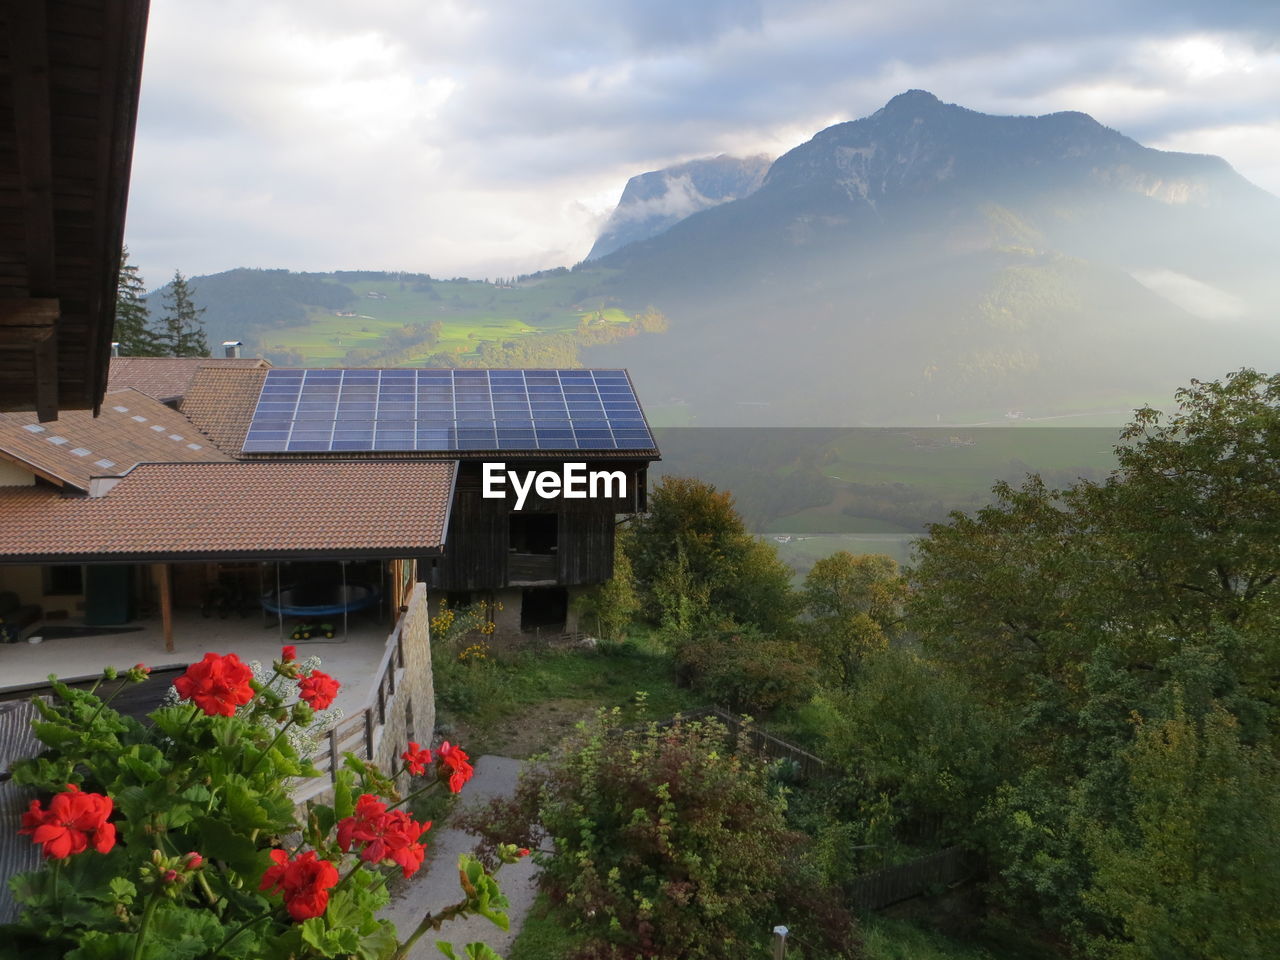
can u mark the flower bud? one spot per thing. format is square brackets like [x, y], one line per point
[194, 861]
[109, 673]
[302, 713]
[169, 876]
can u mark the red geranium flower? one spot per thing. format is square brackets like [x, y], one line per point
[217, 684]
[305, 882]
[417, 758]
[289, 654]
[318, 689]
[73, 820]
[389, 837]
[455, 766]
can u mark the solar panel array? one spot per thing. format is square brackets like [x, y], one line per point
[331, 411]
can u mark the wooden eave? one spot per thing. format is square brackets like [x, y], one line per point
[70, 74]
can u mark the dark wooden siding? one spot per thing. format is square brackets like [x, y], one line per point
[476, 550]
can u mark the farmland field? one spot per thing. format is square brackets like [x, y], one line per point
[469, 313]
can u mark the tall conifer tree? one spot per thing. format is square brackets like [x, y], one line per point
[132, 329]
[181, 329]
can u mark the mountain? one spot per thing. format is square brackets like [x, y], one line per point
[924, 264]
[933, 262]
[652, 202]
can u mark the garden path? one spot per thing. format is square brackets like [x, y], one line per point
[437, 885]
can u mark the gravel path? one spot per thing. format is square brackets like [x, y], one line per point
[437, 885]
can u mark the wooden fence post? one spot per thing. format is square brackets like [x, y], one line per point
[779, 942]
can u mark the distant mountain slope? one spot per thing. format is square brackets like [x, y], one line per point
[924, 264]
[928, 261]
[652, 202]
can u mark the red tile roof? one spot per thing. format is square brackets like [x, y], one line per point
[246, 510]
[132, 428]
[169, 378]
[221, 401]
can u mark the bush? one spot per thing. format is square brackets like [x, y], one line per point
[744, 670]
[667, 844]
[913, 732]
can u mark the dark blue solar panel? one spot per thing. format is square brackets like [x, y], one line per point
[441, 410]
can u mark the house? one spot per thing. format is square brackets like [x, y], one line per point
[301, 455]
[527, 556]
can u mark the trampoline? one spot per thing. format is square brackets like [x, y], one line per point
[307, 601]
[314, 593]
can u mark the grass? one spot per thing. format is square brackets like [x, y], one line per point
[520, 704]
[929, 459]
[891, 939]
[544, 935]
[471, 312]
[802, 553]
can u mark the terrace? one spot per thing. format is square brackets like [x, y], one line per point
[350, 658]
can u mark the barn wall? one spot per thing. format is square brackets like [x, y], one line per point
[477, 549]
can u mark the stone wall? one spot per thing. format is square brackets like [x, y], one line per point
[414, 713]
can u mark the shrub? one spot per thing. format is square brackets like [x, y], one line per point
[746, 670]
[667, 844]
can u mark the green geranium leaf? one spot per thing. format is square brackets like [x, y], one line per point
[380, 944]
[220, 842]
[343, 804]
[106, 946]
[472, 951]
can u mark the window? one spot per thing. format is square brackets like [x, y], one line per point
[533, 533]
[64, 580]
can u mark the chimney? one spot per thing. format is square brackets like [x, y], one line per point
[231, 348]
[115, 348]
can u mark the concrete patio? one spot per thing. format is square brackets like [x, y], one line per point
[351, 660]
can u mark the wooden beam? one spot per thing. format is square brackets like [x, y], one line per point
[166, 605]
[28, 312]
[29, 57]
[123, 31]
[46, 375]
[33, 128]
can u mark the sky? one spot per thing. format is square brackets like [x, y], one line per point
[493, 137]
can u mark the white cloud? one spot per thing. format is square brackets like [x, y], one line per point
[493, 136]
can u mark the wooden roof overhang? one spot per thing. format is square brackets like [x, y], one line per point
[70, 72]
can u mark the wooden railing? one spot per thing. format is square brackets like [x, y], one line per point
[531, 567]
[359, 732]
[766, 744]
[810, 766]
[889, 885]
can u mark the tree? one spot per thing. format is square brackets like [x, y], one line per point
[1073, 613]
[613, 604]
[854, 605]
[915, 740]
[692, 542]
[1197, 873]
[1182, 538]
[181, 329]
[132, 329]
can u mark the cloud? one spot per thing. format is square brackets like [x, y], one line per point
[1198, 298]
[486, 137]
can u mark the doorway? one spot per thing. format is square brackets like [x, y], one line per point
[544, 608]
